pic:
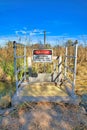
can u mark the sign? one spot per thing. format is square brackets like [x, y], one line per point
[42, 55]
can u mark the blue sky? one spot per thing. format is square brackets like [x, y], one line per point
[58, 17]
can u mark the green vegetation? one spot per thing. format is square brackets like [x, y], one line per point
[7, 88]
[6, 92]
[6, 63]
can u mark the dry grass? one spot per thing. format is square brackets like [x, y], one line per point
[5, 101]
[81, 81]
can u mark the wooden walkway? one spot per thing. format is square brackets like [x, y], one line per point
[40, 92]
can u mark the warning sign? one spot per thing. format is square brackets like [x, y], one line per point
[42, 55]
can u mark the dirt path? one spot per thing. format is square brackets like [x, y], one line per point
[45, 116]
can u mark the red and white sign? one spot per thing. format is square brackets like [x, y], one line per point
[42, 55]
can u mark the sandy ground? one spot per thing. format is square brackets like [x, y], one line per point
[45, 116]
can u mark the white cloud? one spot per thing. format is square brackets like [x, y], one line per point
[30, 32]
[36, 30]
[23, 32]
[20, 32]
[33, 38]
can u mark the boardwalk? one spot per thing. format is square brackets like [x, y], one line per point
[41, 92]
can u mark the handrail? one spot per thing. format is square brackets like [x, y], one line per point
[66, 66]
[18, 57]
[15, 64]
[70, 56]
